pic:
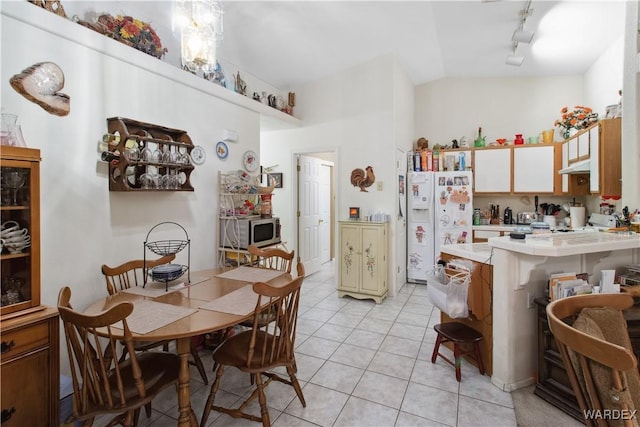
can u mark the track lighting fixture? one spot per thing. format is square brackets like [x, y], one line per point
[520, 35]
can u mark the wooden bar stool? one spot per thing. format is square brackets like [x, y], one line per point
[459, 334]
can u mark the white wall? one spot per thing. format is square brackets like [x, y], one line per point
[403, 127]
[351, 113]
[83, 224]
[604, 79]
[450, 108]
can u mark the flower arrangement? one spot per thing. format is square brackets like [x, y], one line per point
[580, 118]
[133, 32]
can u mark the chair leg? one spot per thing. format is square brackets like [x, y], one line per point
[212, 395]
[264, 411]
[198, 362]
[129, 418]
[291, 370]
[476, 346]
[436, 347]
[136, 416]
[147, 410]
[124, 354]
[457, 357]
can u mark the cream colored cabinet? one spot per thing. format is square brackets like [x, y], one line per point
[492, 170]
[363, 260]
[534, 169]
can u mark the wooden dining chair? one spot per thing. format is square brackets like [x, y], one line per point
[592, 337]
[271, 258]
[102, 384]
[261, 349]
[129, 274]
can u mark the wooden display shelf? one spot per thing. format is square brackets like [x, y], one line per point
[125, 173]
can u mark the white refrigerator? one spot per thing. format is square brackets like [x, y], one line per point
[439, 212]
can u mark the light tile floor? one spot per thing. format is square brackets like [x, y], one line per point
[360, 364]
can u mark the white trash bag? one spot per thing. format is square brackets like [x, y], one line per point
[447, 289]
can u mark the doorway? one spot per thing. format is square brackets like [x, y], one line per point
[315, 206]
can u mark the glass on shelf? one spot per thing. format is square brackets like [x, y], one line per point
[14, 179]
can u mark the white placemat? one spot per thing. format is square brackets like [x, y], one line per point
[157, 289]
[149, 315]
[154, 289]
[251, 274]
[241, 302]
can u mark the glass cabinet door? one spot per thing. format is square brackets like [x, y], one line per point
[20, 229]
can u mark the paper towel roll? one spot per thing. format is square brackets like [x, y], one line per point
[577, 215]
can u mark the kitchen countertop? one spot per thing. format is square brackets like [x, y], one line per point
[480, 252]
[563, 244]
[496, 227]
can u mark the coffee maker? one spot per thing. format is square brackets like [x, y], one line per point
[508, 216]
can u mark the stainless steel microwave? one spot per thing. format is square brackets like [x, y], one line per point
[239, 233]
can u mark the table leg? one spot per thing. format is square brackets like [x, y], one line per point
[187, 416]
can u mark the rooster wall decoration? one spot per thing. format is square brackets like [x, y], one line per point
[363, 178]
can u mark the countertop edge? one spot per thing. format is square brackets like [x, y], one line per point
[541, 249]
[478, 254]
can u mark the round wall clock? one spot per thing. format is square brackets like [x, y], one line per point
[250, 161]
[198, 155]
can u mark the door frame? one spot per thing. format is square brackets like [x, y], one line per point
[334, 195]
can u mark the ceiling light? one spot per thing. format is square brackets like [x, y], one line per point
[522, 36]
[200, 26]
[515, 60]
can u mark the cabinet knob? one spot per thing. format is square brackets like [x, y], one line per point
[7, 413]
[5, 347]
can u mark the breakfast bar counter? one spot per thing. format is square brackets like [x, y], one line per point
[521, 269]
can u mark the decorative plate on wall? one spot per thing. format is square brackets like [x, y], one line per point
[250, 161]
[198, 155]
[222, 150]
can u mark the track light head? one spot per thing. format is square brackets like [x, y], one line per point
[515, 60]
[522, 36]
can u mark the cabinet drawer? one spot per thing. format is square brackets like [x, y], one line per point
[23, 340]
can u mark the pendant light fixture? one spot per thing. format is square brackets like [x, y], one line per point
[199, 23]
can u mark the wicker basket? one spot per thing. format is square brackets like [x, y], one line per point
[265, 190]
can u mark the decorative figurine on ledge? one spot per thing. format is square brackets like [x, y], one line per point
[216, 75]
[241, 86]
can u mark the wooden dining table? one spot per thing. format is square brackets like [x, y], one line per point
[206, 287]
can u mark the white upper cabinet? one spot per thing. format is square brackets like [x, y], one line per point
[533, 169]
[492, 170]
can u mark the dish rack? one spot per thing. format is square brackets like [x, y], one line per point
[168, 272]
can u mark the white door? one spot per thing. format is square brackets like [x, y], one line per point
[325, 212]
[309, 180]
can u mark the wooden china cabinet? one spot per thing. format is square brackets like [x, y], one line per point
[29, 331]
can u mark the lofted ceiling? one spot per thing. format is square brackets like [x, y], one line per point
[290, 43]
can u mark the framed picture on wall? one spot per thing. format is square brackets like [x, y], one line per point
[276, 179]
